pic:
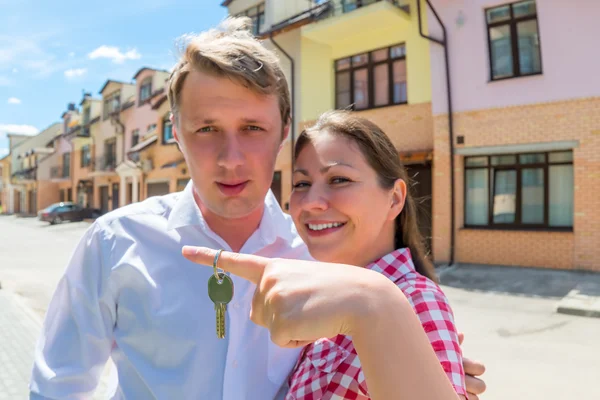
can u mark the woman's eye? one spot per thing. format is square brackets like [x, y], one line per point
[339, 179]
[300, 185]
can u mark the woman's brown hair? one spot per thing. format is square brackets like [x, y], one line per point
[382, 156]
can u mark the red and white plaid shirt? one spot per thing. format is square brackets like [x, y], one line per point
[330, 369]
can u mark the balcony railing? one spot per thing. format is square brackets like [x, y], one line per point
[105, 163]
[59, 172]
[28, 174]
[345, 6]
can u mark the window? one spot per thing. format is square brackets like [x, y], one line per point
[135, 137]
[66, 165]
[513, 40]
[110, 154]
[86, 156]
[371, 80]
[87, 112]
[533, 190]
[112, 104]
[145, 90]
[167, 132]
[150, 129]
[257, 14]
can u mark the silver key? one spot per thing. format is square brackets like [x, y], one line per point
[220, 292]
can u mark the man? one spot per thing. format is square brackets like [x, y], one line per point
[128, 293]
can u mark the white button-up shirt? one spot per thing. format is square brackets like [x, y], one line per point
[128, 293]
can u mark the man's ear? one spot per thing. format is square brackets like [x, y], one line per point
[284, 134]
[175, 132]
[398, 195]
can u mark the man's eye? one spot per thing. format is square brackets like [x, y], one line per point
[205, 129]
[254, 128]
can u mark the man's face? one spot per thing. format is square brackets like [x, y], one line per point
[230, 138]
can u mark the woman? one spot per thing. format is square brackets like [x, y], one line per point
[351, 206]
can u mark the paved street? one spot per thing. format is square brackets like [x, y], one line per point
[508, 315]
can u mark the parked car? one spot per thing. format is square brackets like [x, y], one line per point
[67, 211]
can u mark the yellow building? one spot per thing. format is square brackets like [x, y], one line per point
[4, 183]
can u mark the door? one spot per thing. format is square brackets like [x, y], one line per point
[421, 189]
[115, 196]
[104, 199]
[276, 186]
[158, 189]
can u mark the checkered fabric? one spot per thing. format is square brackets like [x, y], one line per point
[329, 368]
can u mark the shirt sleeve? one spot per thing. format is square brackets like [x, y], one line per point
[436, 316]
[77, 333]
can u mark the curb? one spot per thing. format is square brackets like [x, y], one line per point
[578, 312]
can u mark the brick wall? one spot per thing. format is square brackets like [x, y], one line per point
[566, 120]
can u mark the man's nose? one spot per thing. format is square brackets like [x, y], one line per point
[231, 154]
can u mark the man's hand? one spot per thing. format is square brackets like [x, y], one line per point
[475, 386]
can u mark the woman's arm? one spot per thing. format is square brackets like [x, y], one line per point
[396, 356]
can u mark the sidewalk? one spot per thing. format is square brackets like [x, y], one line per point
[575, 292]
[19, 329]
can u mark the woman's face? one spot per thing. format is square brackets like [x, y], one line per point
[339, 208]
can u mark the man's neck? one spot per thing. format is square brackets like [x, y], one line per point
[235, 231]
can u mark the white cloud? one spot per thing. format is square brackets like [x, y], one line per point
[14, 100]
[18, 129]
[3, 152]
[4, 81]
[75, 72]
[14, 70]
[72, 54]
[113, 53]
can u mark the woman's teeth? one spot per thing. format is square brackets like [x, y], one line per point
[318, 227]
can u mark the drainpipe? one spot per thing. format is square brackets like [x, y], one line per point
[444, 44]
[293, 91]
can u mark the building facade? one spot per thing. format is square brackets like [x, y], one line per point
[525, 137]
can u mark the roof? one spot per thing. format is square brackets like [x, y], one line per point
[149, 69]
[109, 82]
[225, 3]
[296, 21]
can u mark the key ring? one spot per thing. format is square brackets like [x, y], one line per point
[215, 261]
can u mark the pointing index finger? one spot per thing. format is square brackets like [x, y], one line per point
[247, 266]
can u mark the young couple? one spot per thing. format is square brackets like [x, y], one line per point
[364, 321]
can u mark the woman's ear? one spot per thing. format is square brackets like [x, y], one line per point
[399, 192]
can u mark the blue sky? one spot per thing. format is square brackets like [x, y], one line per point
[51, 51]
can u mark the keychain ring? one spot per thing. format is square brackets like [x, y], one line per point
[215, 262]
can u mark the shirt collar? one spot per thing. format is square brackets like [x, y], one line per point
[394, 265]
[274, 223]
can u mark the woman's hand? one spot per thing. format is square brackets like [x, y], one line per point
[302, 301]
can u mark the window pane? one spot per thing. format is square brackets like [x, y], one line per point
[400, 91]
[361, 89]
[380, 55]
[502, 57]
[563, 156]
[539, 158]
[382, 85]
[476, 161]
[504, 160]
[505, 193]
[532, 196]
[398, 51]
[167, 131]
[529, 47]
[498, 14]
[561, 195]
[261, 22]
[361, 59]
[344, 63]
[476, 197]
[524, 9]
[342, 90]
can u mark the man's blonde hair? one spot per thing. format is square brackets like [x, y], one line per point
[230, 51]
